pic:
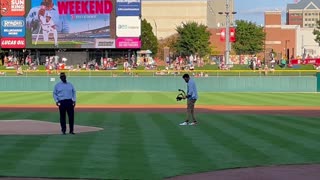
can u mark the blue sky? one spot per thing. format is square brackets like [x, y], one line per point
[253, 10]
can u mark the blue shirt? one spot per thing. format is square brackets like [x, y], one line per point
[192, 89]
[64, 91]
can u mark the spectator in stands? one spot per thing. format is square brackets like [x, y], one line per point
[126, 66]
[19, 70]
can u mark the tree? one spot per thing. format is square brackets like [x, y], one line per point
[167, 42]
[249, 38]
[316, 32]
[193, 38]
[148, 39]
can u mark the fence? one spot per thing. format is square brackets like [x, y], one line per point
[205, 84]
[209, 73]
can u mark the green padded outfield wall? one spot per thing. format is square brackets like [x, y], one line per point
[205, 84]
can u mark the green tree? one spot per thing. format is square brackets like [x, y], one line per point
[316, 32]
[148, 39]
[249, 38]
[193, 38]
[167, 42]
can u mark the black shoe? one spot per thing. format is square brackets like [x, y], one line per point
[72, 133]
[63, 133]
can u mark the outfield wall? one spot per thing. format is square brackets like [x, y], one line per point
[208, 84]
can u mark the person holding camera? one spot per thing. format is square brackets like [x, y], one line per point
[192, 97]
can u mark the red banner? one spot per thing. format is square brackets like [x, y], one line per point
[14, 43]
[315, 61]
[232, 34]
[223, 35]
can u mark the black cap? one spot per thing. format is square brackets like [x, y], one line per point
[62, 74]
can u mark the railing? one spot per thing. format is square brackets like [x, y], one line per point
[135, 73]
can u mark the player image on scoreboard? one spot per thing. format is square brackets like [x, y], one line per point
[68, 23]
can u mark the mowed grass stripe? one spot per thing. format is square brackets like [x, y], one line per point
[276, 149]
[248, 99]
[241, 151]
[307, 139]
[121, 98]
[298, 124]
[164, 98]
[290, 99]
[30, 163]
[20, 149]
[38, 162]
[101, 156]
[9, 141]
[96, 98]
[210, 147]
[133, 161]
[24, 145]
[283, 139]
[29, 98]
[306, 121]
[161, 157]
[182, 145]
[68, 162]
[217, 99]
[255, 146]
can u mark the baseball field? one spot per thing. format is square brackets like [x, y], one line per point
[141, 137]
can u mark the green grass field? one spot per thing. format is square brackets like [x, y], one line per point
[166, 98]
[152, 145]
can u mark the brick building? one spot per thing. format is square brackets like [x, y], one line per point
[282, 39]
[279, 38]
[304, 13]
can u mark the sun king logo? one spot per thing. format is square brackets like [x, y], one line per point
[4, 6]
[13, 23]
[128, 1]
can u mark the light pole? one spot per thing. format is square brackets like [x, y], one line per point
[155, 25]
[228, 46]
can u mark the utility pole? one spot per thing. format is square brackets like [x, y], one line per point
[227, 31]
[228, 45]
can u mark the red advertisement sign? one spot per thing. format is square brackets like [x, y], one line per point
[14, 43]
[128, 43]
[222, 34]
[13, 7]
[232, 34]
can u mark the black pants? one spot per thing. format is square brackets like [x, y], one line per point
[66, 106]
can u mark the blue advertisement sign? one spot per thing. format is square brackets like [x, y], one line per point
[13, 27]
[128, 7]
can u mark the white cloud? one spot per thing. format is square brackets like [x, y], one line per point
[260, 10]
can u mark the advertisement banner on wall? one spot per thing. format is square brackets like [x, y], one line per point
[128, 8]
[13, 43]
[105, 43]
[128, 26]
[68, 23]
[13, 27]
[13, 7]
[128, 43]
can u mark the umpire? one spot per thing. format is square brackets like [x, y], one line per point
[64, 95]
